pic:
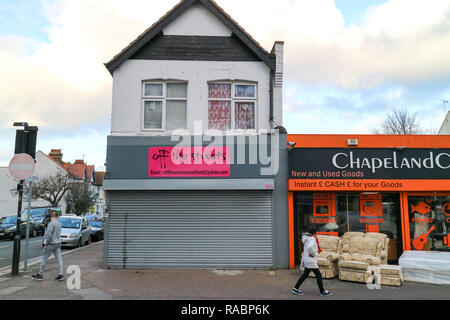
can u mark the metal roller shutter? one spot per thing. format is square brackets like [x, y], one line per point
[194, 229]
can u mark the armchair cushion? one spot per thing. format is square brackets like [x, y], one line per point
[347, 237]
[331, 256]
[369, 259]
[323, 262]
[358, 265]
[380, 236]
[367, 246]
[330, 243]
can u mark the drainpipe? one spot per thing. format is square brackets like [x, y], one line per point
[272, 75]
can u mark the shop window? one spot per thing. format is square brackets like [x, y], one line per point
[429, 222]
[338, 213]
[323, 205]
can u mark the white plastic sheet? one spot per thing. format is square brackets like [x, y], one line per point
[426, 266]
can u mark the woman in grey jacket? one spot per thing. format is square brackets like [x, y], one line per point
[309, 262]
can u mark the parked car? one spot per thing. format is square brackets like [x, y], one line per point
[75, 231]
[41, 216]
[94, 217]
[97, 229]
[9, 226]
[46, 220]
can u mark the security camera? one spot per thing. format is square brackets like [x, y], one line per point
[291, 145]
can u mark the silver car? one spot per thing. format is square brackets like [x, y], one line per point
[75, 231]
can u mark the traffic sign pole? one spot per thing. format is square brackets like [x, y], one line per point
[21, 167]
[25, 259]
[16, 251]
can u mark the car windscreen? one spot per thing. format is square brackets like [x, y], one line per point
[70, 223]
[10, 220]
[38, 213]
[96, 224]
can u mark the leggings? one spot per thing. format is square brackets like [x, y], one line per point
[306, 274]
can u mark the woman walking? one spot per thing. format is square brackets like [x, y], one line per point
[311, 250]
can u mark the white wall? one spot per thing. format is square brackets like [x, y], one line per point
[127, 89]
[445, 128]
[197, 21]
[8, 202]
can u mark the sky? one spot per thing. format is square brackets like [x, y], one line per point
[347, 64]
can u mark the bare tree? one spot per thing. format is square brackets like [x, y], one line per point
[51, 188]
[401, 122]
[80, 198]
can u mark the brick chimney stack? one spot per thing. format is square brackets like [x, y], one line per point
[79, 161]
[56, 155]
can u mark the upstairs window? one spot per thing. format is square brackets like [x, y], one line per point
[232, 106]
[165, 105]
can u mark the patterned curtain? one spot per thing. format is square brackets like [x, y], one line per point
[245, 115]
[219, 91]
[219, 111]
[219, 115]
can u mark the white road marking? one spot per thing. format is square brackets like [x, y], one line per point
[4, 247]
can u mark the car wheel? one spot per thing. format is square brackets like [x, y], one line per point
[80, 243]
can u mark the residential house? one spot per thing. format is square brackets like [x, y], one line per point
[196, 73]
[445, 128]
[45, 166]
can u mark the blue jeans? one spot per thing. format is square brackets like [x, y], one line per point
[46, 253]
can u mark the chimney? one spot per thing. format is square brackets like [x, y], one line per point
[56, 155]
[278, 50]
[79, 162]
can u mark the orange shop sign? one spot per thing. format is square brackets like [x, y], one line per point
[368, 185]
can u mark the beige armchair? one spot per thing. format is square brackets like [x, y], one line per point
[384, 244]
[361, 260]
[328, 259]
[347, 237]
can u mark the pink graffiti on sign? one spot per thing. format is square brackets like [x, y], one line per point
[189, 162]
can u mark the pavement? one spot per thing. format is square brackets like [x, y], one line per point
[100, 284]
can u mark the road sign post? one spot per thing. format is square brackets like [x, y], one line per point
[22, 167]
[31, 180]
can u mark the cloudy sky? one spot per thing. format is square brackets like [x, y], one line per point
[348, 62]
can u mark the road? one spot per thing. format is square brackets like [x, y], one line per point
[6, 250]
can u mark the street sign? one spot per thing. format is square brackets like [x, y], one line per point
[22, 166]
[32, 179]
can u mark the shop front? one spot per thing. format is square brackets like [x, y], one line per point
[396, 185]
[172, 206]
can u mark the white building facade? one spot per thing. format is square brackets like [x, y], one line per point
[193, 71]
[45, 166]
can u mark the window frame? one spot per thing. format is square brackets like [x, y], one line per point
[233, 100]
[163, 99]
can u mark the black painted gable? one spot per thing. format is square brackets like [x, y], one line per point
[190, 48]
[199, 48]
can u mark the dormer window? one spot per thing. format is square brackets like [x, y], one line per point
[165, 105]
[232, 106]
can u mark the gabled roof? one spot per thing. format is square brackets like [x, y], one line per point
[176, 11]
[76, 170]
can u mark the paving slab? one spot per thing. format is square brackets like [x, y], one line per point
[98, 283]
